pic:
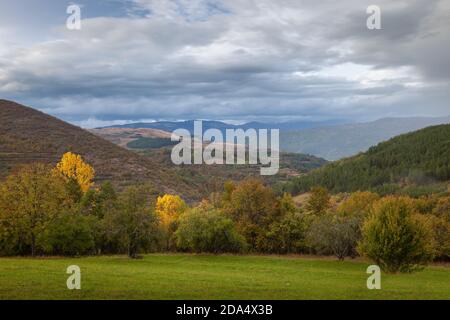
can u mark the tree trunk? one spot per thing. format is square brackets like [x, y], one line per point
[33, 245]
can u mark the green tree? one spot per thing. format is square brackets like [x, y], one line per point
[132, 225]
[30, 200]
[98, 202]
[70, 233]
[395, 238]
[287, 235]
[208, 230]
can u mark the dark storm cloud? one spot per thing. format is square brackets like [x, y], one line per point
[239, 60]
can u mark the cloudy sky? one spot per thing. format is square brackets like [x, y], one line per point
[236, 60]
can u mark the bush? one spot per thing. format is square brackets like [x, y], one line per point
[441, 235]
[69, 234]
[208, 230]
[287, 235]
[334, 234]
[395, 238]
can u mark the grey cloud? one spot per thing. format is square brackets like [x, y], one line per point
[244, 60]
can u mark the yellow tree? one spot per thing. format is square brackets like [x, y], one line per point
[73, 167]
[169, 208]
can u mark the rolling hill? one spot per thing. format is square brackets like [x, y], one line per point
[222, 126]
[156, 144]
[417, 158]
[27, 135]
[339, 141]
[331, 140]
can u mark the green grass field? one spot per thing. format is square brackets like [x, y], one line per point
[183, 276]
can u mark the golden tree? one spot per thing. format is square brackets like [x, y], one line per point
[169, 208]
[73, 167]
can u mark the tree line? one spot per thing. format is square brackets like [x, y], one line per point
[58, 210]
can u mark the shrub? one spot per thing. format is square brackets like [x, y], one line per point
[69, 234]
[286, 236]
[208, 230]
[334, 234]
[441, 235]
[395, 238]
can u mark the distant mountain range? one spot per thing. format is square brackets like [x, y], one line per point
[322, 139]
[222, 126]
[340, 141]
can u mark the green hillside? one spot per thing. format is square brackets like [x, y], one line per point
[418, 158]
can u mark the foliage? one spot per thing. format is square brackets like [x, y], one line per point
[441, 235]
[73, 167]
[97, 202]
[208, 230]
[254, 207]
[442, 208]
[395, 238]
[169, 208]
[30, 200]
[414, 158]
[334, 234]
[133, 224]
[358, 204]
[287, 235]
[319, 201]
[69, 234]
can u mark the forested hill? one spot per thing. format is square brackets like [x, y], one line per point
[419, 157]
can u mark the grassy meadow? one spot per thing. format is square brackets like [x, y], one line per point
[186, 276]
